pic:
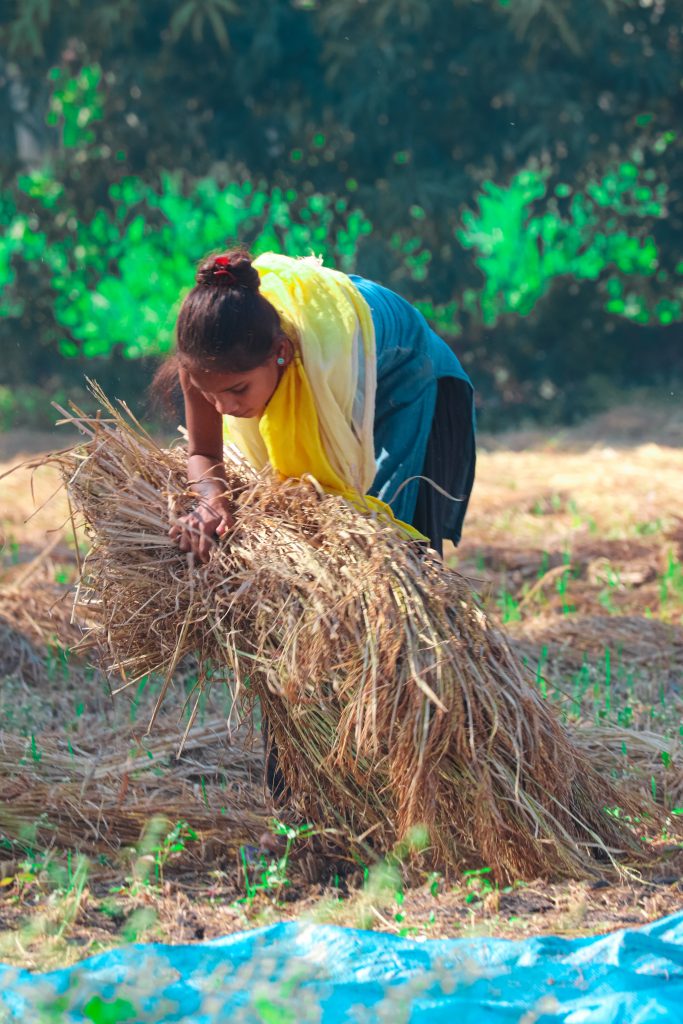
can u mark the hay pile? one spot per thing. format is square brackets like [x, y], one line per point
[392, 700]
[99, 793]
[31, 617]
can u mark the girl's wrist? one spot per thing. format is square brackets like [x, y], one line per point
[218, 500]
[212, 494]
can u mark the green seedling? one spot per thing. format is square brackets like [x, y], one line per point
[63, 575]
[509, 607]
[57, 660]
[134, 704]
[671, 584]
[603, 695]
[548, 506]
[155, 849]
[73, 895]
[562, 585]
[478, 884]
[273, 873]
[649, 527]
[579, 519]
[173, 842]
[612, 581]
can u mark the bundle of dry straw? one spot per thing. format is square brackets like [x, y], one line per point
[392, 701]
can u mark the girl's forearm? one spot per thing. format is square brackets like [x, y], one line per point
[207, 476]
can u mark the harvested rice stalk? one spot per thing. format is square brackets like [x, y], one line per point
[99, 798]
[392, 699]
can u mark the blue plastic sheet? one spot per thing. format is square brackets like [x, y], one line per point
[292, 973]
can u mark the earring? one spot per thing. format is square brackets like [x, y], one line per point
[280, 361]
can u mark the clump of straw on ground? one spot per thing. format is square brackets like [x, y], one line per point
[392, 700]
[100, 794]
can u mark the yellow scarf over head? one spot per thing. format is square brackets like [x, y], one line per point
[320, 419]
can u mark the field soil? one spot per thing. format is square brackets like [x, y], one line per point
[574, 541]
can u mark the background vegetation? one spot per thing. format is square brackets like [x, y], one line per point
[513, 166]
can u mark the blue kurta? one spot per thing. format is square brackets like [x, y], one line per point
[411, 358]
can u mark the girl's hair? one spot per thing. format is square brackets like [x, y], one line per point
[224, 324]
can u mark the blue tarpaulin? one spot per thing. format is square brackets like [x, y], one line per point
[292, 973]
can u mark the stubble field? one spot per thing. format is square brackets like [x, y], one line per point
[574, 542]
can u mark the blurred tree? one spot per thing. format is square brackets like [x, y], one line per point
[419, 112]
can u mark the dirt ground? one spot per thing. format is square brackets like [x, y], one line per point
[574, 540]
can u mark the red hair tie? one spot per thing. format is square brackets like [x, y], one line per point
[221, 268]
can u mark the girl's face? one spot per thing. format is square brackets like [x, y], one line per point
[244, 395]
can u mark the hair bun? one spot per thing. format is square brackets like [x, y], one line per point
[231, 269]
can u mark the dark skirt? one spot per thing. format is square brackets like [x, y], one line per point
[275, 780]
[449, 462]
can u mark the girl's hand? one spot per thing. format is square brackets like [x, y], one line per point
[197, 532]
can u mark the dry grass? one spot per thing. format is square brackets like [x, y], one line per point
[393, 700]
[538, 502]
[61, 794]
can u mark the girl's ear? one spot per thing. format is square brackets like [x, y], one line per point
[284, 350]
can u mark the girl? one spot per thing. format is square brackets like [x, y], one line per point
[314, 371]
[317, 372]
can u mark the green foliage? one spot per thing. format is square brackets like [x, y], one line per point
[523, 242]
[19, 237]
[522, 179]
[25, 33]
[194, 15]
[76, 104]
[118, 279]
[272, 874]
[115, 280]
[158, 845]
[671, 587]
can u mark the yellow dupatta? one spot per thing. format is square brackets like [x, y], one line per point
[319, 421]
